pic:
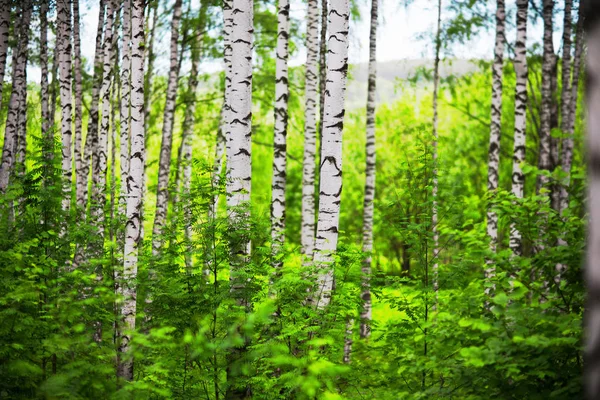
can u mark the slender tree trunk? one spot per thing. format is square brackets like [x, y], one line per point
[592, 268]
[322, 65]
[579, 39]
[17, 100]
[164, 165]
[544, 160]
[92, 128]
[44, 86]
[565, 126]
[280, 135]
[150, 56]
[520, 63]
[239, 161]
[54, 86]
[4, 34]
[434, 211]
[100, 155]
[565, 106]
[63, 10]
[330, 186]
[80, 178]
[125, 103]
[370, 171]
[135, 185]
[225, 132]
[187, 129]
[310, 131]
[495, 133]
[240, 114]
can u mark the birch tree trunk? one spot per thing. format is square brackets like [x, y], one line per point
[434, 191]
[280, 134]
[125, 103]
[164, 165]
[80, 178]
[92, 127]
[239, 113]
[322, 65]
[544, 160]
[135, 185]
[100, 154]
[520, 63]
[63, 10]
[310, 131]
[187, 129]
[224, 133]
[592, 268]
[44, 86]
[495, 133]
[4, 34]
[150, 56]
[330, 186]
[565, 107]
[568, 112]
[17, 100]
[370, 170]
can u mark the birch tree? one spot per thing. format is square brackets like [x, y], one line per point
[94, 114]
[280, 136]
[322, 65]
[17, 99]
[125, 102]
[164, 164]
[495, 132]
[330, 185]
[63, 10]
[187, 129]
[239, 114]
[592, 268]
[370, 170]
[434, 191]
[79, 159]
[310, 130]
[135, 185]
[544, 160]
[44, 86]
[520, 63]
[4, 34]
[565, 105]
[100, 151]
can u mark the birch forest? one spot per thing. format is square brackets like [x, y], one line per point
[271, 199]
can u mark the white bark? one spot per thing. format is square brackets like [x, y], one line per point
[330, 187]
[592, 267]
[17, 99]
[100, 156]
[80, 178]
[370, 171]
[90, 145]
[280, 135]
[495, 132]
[125, 103]
[63, 10]
[518, 179]
[164, 164]
[44, 86]
[187, 129]
[238, 139]
[310, 131]
[135, 186]
[4, 33]
[434, 191]
[544, 161]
